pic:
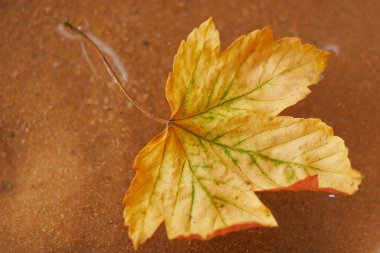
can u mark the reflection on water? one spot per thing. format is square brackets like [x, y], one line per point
[107, 50]
[332, 47]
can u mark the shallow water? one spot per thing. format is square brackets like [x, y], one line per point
[68, 138]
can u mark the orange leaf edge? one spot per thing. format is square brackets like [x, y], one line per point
[308, 184]
[223, 231]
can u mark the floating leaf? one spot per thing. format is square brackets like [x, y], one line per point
[224, 140]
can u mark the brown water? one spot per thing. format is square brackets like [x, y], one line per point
[68, 139]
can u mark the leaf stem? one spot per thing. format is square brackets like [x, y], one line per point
[111, 73]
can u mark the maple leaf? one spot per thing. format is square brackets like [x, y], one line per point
[224, 141]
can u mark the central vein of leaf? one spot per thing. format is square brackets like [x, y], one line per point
[248, 152]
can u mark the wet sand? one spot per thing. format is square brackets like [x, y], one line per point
[68, 138]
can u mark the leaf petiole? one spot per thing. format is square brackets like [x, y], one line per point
[111, 73]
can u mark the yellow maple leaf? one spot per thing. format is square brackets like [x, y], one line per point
[224, 140]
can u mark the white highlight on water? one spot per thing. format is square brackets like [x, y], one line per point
[102, 46]
[88, 59]
[332, 47]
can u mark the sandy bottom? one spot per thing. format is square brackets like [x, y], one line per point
[68, 138]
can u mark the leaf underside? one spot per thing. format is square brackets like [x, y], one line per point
[224, 141]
